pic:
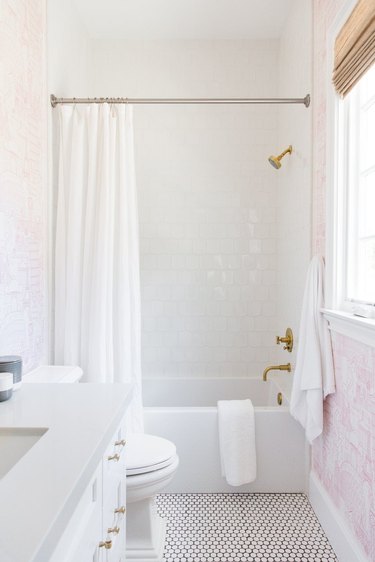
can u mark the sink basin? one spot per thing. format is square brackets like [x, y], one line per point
[15, 442]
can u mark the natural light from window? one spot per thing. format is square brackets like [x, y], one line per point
[359, 162]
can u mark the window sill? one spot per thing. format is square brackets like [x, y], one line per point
[355, 327]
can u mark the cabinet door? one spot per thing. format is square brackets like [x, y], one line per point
[80, 541]
[114, 496]
[89, 549]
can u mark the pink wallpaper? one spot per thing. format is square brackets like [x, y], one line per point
[22, 180]
[344, 456]
[324, 14]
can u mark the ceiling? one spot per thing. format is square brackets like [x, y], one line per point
[183, 19]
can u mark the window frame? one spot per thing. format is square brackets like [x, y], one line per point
[339, 311]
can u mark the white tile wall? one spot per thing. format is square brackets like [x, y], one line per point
[294, 193]
[207, 202]
[203, 287]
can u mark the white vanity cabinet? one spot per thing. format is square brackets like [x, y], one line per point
[66, 495]
[96, 531]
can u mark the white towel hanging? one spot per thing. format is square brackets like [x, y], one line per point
[314, 377]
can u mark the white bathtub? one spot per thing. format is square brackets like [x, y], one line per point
[184, 411]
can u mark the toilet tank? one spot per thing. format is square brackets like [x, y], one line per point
[54, 373]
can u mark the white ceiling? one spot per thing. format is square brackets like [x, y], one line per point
[183, 19]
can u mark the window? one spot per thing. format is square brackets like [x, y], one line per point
[361, 191]
[350, 173]
[356, 198]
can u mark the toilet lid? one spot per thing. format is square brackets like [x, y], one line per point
[146, 453]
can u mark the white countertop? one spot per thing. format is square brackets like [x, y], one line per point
[39, 494]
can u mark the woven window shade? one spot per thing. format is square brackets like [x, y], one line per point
[355, 47]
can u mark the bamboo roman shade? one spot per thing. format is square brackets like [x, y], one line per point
[355, 47]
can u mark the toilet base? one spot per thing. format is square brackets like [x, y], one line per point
[145, 532]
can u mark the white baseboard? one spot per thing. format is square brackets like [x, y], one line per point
[339, 534]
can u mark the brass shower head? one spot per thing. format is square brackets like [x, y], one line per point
[275, 161]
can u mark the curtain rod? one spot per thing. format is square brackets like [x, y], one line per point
[175, 101]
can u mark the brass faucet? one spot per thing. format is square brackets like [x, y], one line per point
[287, 339]
[286, 367]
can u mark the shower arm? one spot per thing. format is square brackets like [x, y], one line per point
[286, 151]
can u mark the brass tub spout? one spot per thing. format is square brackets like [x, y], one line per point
[286, 367]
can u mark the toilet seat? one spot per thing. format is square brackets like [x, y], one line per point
[148, 453]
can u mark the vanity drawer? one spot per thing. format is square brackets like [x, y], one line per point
[114, 457]
[114, 472]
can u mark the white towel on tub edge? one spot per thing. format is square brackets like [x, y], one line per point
[237, 441]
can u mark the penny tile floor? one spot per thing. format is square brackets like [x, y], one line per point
[242, 528]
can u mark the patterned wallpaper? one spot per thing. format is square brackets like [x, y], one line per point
[22, 181]
[324, 14]
[344, 456]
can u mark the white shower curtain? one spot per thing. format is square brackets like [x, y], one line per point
[97, 290]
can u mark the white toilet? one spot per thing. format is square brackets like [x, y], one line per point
[151, 464]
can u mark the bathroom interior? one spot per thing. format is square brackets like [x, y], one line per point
[186, 229]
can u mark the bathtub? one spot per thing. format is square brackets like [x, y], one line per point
[184, 411]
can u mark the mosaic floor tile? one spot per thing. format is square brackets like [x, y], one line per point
[242, 528]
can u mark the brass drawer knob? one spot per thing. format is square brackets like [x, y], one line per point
[106, 544]
[114, 530]
[120, 443]
[121, 510]
[114, 457]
